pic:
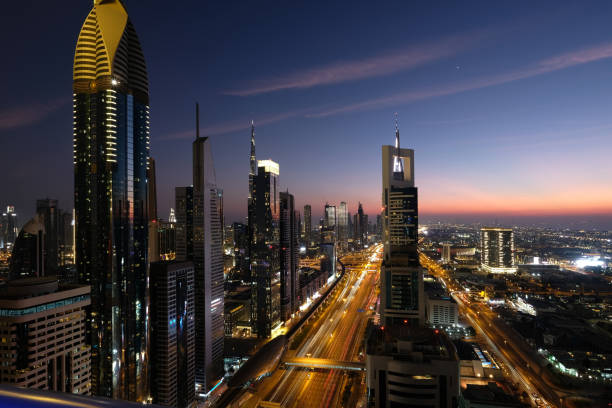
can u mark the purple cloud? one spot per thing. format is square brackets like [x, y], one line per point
[28, 115]
[344, 71]
[236, 125]
[559, 62]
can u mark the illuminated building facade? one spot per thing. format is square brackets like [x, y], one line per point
[343, 224]
[265, 254]
[8, 228]
[307, 225]
[172, 334]
[497, 250]
[33, 355]
[401, 275]
[111, 152]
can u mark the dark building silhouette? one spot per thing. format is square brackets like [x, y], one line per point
[111, 152]
[241, 247]
[172, 333]
[51, 217]
[288, 256]
[28, 256]
[308, 225]
[184, 223]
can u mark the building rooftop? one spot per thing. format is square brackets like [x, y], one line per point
[416, 344]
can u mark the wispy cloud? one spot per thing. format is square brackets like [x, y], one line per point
[556, 63]
[344, 71]
[28, 115]
[236, 125]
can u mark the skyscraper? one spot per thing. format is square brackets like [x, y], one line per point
[8, 228]
[264, 243]
[152, 212]
[28, 256]
[288, 255]
[208, 264]
[407, 364]
[183, 200]
[111, 152]
[361, 227]
[51, 218]
[172, 334]
[401, 275]
[307, 224]
[497, 250]
[343, 224]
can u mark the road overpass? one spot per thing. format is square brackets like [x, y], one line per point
[324, 363]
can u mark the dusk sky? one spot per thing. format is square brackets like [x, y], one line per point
[507, 104]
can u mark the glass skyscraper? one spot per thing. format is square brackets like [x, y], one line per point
[111, 151]
[401, 295]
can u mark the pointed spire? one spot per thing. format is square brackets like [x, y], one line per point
[398, 165]
[197, 120]
[397, 145]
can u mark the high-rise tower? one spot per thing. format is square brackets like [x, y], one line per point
[264, 244]
[401, 274]
[111, 152]
[208, 265]
[288, 255]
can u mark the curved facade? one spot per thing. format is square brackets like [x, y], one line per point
[111, 151]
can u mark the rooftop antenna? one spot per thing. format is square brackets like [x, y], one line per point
[197, 120]
[398, 166]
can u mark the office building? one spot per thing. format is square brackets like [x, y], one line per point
[330, 222]
[407, 364]
[152, 212]
[411, 367]
[183, 200]
[172, 334]
[8, 228]
[111, 152]
[288, 256]
[240, 242]
[50, 216]
[264, 243]
[208, 264]
[440, 308]
[497, 250]
[342, 216]
[66, 241]
[360, 227]
[307, 225]
[446, 252]
[28, 256]
[166, 232]
[401, 275]
[42, 330]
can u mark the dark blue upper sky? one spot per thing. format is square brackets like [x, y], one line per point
[506, 103]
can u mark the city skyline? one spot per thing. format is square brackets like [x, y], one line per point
[521, 98]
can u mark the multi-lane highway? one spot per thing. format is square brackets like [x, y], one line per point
[335, 333]
[518, 361]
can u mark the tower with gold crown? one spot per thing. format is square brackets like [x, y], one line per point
[111, 152]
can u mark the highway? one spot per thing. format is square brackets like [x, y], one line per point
[516, 357]
[335, 333]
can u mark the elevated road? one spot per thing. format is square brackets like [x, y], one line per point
[334, 334]
[324, 363]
